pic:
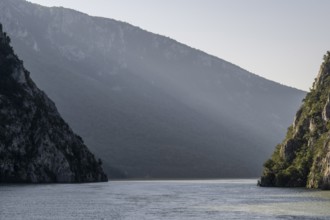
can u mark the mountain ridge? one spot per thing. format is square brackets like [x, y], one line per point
[163, 109]
[163, 36]
[172, 39]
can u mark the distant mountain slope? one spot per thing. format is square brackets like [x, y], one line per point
[146, 104]
[303, 158]
[36, 145]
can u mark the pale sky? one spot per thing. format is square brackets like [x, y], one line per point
[281, 40]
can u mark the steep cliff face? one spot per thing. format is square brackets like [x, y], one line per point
[36, 145]
[303, 159]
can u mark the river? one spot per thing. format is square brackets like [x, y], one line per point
[170, 200]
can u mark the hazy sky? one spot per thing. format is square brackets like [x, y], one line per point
[282, 40]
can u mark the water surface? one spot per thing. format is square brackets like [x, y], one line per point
[173, 200]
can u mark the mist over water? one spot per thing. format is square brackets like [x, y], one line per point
[208, 199]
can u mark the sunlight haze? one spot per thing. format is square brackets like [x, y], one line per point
[281, 40]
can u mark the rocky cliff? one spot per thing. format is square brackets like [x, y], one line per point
[36, 145]
[303, 159]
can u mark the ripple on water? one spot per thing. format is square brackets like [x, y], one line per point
[209, 199]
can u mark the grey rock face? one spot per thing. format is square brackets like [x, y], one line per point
[36, 145]
[326, 110]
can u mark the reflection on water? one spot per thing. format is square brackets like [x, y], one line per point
[211, 199]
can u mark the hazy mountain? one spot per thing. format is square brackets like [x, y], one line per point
[146, 104]
[304, 156]
[36, 145]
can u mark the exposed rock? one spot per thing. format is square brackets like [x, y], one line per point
[323, 73]
[311, 142]
[319, 78]
[312, 125]
[303, 159]
[297, 118]
[326, 110]
[36, 145]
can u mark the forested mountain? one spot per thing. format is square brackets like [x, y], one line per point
[147, 105]
[303, 158]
